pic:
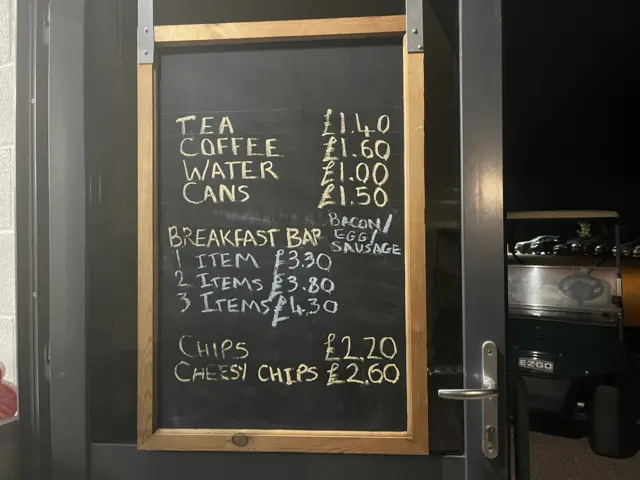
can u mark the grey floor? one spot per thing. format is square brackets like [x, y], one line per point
[562, 453]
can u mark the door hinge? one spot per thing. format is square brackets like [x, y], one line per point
[46, 23]
[47, 363]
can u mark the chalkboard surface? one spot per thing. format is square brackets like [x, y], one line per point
[280, 223]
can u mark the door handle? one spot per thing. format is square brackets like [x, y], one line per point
[467, 393]
[488, 394]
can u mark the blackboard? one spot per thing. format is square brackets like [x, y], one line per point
[279, 229]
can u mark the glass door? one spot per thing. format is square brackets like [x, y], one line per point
[93, 247]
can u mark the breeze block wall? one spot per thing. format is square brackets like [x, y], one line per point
[7, 187]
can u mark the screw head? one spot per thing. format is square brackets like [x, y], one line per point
[145, 52]
[420, 47]
[414, 31]
[240, 440]
[146, 29]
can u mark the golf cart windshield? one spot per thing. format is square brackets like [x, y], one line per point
[566, 274]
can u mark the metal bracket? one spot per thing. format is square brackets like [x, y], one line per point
[146, 39]
[415, 33]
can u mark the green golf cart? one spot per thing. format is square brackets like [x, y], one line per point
[565, 330]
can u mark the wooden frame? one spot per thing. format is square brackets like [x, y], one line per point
[415, 440]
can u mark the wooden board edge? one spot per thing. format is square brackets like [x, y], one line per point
[415, 442]
[146, 251]
[415, 254]
[389, 443]
[283, 30]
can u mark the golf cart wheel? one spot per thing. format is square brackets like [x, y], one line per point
[606, 437]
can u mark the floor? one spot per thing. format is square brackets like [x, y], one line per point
[561, 452]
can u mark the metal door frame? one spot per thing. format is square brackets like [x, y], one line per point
[480, 37]
[31, 154]
[73, 457]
